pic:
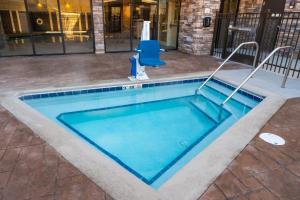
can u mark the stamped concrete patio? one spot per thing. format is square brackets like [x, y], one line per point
[31, 169]
[19, 73]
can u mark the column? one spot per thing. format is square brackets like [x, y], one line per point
[193, 37]
[98, 26]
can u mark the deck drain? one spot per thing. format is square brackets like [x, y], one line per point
[272, 138]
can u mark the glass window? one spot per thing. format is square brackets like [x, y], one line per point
[145, 10]
[77, 26]
[38, 27]
[14, 32]
[123, 20]
[117, 25]
[44, 19]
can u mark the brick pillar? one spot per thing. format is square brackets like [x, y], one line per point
[98, 26]
[193, 37]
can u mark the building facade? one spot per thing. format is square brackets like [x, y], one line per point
[42, 27]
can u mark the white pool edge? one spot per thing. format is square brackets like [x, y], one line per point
[187, 184]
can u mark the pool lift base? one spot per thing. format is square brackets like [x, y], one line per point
[137, 71]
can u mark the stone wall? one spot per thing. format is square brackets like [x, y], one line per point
[193, 37]
[98, 26]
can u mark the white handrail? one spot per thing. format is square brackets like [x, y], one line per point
[257, 68]
[242, 44]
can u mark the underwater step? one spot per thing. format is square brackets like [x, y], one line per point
[227, 91]
[211, 109]
[235, 107]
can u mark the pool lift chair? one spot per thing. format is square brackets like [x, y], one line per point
[147, 55]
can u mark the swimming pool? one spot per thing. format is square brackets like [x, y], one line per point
[150, 129]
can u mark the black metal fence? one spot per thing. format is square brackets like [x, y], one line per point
[270, 30]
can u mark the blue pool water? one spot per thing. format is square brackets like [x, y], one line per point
[151, 131]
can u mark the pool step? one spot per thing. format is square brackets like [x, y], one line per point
[218, 97]
[211, 109]
[226, 92]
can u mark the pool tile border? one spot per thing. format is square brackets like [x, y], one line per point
[249, 94]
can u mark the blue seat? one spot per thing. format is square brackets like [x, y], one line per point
[149, 53]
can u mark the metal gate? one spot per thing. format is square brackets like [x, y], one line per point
[270, 30]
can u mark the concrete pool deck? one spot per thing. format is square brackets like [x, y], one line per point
[55, 193]
[26, 73]
[266, 80]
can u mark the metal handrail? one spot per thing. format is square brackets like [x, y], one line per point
[257, 68]
[242, 44]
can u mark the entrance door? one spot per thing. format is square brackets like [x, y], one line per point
[123, 22]
[117, 24]
[45, 25]
[14, 32]
[76, 25]
[38, 27]
[168, 23]
[143, 11]
[115, 16]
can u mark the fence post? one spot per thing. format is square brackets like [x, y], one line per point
[259, 34]
[224, 49]
[216, 28]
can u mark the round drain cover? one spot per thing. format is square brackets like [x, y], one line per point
[272, 138]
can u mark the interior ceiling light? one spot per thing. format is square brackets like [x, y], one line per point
[68, 5]
[149, 1]
[109, 1]
[272, 138]
[39, 5]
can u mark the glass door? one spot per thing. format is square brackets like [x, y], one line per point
[168, 23]
[14, 31]
[76, 25]
[117, 25]
[40, 27]
[145, 10]
[45, 24]
[123, 22]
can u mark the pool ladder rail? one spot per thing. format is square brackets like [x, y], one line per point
[255, 69]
